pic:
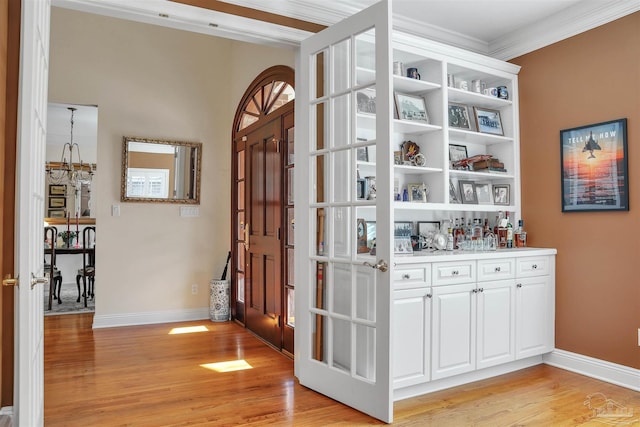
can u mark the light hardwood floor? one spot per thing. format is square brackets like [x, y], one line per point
[143, 376]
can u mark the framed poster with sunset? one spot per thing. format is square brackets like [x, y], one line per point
[595, 169]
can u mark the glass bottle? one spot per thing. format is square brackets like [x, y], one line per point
[449, 246]
[509, 233]
[502, 232]
[520, 235]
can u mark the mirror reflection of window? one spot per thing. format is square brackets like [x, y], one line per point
[153, 183]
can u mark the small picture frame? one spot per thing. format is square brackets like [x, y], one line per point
[454, 196]
[411, 107]
[459, 116]
[371, 233]
[362, 236]
[428, 228]
[402, 245]
[56, 213]
[501, 194]
[57, 202]
[366, 101]
[417, 192]
[402, 228]
[457, 152]
[467, 192]
[483, 193]
[57, 190]
[488, 121]
[397, 157]
[362, 154]
[361, 189]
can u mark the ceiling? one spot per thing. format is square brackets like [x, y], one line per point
[502, 29]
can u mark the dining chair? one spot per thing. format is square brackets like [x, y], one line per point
[55, 276]
[88, 271]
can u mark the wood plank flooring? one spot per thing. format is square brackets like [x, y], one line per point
[143, 376]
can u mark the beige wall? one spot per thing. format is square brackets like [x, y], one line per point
[155, 82]
[590, 78]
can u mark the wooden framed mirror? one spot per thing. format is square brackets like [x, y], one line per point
[160, 171]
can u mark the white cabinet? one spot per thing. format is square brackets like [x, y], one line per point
[454, 323]
[535, 307]
[411, 336]
[495, 323]
[470, 314]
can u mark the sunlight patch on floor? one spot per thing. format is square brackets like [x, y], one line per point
[188, 330]
[229, 366]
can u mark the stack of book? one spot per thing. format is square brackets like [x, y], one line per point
[488, 165]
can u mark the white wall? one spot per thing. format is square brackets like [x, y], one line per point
[155, 82]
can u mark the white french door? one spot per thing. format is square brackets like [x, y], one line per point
[32, 126]
[343, 300]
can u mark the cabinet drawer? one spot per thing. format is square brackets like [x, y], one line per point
[412, 277]
[496, 269]
[446, 273]
[532, 266]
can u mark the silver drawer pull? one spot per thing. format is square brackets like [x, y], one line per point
[455, 272]
[519, 285]
[406, 276]
[428, 295]
[497, 269]
[534, 266]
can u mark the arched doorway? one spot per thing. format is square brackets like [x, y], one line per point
[262, 208]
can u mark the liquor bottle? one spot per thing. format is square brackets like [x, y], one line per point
[509, 233]
[502, 231]
[485, 227]
[520, 235]
[449, 246]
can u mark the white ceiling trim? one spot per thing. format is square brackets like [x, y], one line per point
[189, 18]
[570, 22]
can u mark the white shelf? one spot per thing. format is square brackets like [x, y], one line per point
[413, 86]
[415, 170]
[413, 128]
[477, 99]
[450, 207]
[477, 137]
[474, 174]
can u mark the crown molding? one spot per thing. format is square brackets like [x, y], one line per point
[582, 17]
[189, 18]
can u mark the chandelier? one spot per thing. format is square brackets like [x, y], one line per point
[75, 172]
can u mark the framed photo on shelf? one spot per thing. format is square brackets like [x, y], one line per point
[362, 154]
[454, 195]
[57, 190]
[457, 152]
[459, 116]
[417, 192]
[366, 99]
[411, 107]
[594, 167]
[488, 121]
[362, 189]
[371, 233]
[483, 193]
[468, 192]
[402, 228]
[501, 194]
[57, 202]
[362, 236]
[56, 213]
[428, 228]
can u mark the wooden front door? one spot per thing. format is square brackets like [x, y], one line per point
[264, 283]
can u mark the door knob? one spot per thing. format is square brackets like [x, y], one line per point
[8, 281]
[380, 265]
[35, 280]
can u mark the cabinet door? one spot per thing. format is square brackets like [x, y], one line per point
[534, 316]
[496, 323]
[454, 323]
[411, 336]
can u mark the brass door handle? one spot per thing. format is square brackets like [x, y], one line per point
[8, 281]
[246, 237]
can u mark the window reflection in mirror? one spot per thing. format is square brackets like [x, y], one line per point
[65, 196]
[160, 171]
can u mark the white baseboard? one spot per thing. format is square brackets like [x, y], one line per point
[7, 410]
[148, 318]
[613, 373]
